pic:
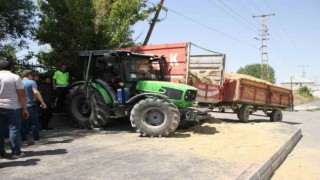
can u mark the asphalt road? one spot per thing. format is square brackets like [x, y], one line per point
[304, 161]
[120, 154]
[314, 105]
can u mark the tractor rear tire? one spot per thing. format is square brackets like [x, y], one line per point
[87, 115]
[101, 109]
[276, 115]
[243, 113]
[155, 117]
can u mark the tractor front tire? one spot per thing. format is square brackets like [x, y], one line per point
[155, 117]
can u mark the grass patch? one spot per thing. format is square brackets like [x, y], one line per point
[302, 99]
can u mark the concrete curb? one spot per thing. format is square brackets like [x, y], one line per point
[266, 170]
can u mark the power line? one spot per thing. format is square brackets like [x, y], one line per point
[303, 75]
[208, 27]
[282, 27]
[214, 4]
[248, 10]
[256, 6]
[225, 5]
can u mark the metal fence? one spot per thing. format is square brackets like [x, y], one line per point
[36, 67]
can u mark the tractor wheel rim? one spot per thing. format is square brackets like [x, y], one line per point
[153, 117]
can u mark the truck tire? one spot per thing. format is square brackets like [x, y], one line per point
[276, 115]
[243, 113]
[155, 117]
[184, 124]
[86, 115]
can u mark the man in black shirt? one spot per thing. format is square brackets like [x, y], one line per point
[46, 91]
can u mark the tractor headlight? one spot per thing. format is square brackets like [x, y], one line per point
[190, 95]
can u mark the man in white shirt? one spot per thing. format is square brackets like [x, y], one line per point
[12, 108]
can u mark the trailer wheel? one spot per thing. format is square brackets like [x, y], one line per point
[155, 117]
[243, 113]
[276, 115]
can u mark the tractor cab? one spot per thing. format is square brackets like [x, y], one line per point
[121, 70]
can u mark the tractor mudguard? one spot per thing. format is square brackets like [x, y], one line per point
[108, 88]
[144, 95]
[100, 88]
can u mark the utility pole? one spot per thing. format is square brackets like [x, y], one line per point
[303, 75]
[264, 37]
[153, 22]
[291, 99]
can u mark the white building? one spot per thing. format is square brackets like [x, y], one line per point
[297, 82]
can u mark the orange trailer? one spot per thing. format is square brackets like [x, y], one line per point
[253, 96]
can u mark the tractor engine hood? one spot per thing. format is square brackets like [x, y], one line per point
[175, 91]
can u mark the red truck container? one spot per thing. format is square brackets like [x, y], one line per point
[244, 96]
[180, 62]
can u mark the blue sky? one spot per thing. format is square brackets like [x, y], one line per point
[294, 32]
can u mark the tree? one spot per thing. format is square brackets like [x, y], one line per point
[70, 26]
[16, 18]
[16, 21]
[305, 91]
[8, 52]
[255, 71]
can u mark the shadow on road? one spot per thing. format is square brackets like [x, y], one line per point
[29, 162]
[207, 130]
[46, 152]
[179, 134]
[61, 142]
[236, 121]
[292, 123]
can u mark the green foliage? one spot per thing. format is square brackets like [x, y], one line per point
[70, 26]
[7, 52]
[305, 91]
[255, 71]
[16, 18]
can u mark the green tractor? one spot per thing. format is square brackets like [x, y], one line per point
[120, 84]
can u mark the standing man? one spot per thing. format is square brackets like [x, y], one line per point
[46, 91]
[12, 98]
[31, 91]
[60, 85]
